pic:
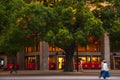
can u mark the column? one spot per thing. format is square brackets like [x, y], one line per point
[5, 58]
[105, 48]
[44, 55]
[20, 60]
[57, 62]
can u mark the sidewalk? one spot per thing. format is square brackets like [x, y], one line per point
[57, 72]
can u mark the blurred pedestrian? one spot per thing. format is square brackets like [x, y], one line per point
[13, 68]
[80, 66]
[105, 74]
[2, 65]
[101, 68]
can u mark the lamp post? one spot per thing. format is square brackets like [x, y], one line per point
[35, 37]
[77, 55]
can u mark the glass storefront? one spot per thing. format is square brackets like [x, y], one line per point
[56, 62]
[52, 62]
[30, 62]
[84, 58]
[95, 58]
[89, 58]
[89, 62]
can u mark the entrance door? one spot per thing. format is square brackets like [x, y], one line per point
[117, 62]
[61, 61]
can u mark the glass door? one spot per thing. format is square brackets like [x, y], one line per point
[117, 63]
[61, 61]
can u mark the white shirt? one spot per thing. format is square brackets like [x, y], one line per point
[105, 67]
[80, 62]
[102, 65]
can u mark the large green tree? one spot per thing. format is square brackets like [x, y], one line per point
[65, 24]
[75, 24]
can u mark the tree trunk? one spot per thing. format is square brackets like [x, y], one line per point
[68, 67]
[69, 52]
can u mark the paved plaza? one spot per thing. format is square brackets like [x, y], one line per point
[55, 78]
[56, 75]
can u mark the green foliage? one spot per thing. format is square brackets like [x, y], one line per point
[110, 16]
[37, 18]
[94, 28]
[12, 37]
[115, 36]
[77, 30]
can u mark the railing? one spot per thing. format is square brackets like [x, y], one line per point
[85, 65]
[9, 66]
[52, 66]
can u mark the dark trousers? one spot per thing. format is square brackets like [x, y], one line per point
[105, 74]
[13, 70]
[101, 73]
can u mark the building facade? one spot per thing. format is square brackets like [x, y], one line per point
[53, 58]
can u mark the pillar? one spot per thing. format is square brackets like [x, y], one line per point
[105, 48]
[5, 58]
[57, 62]
[20, 60]
[44, 55]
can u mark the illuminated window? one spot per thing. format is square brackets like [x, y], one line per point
[95, 59]
[54, 49]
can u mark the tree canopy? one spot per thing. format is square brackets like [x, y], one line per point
[12, 37]
[64, 25]
[109, 13]
[75, 24]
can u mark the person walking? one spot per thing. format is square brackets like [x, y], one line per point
[13, 68]
[105, 74]
[80, 66]
[101, 68]
[2, 65]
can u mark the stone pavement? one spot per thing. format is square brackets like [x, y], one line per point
[55, 78]
[57, 73]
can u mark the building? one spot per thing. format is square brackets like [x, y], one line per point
[52, 58]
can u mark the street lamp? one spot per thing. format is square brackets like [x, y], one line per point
[77, 55]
